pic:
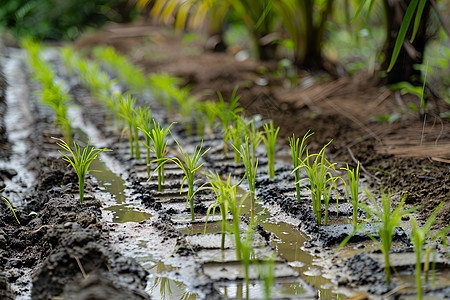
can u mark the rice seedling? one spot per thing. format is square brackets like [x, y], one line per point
[297, 154]
[158, 137]
[227, 197]
[127, 112]
[353, 184]
[53, 95]
[418, 239]
[145, 124]
[223, 190]
[186, 107]
[255, 136]
[270, 141]
[10, 206]
[163, 86]
[209, 110]
[220, 188]
[80, 161]
[317, 169]
[189, 164]
[226, 113]
[235, 133]
[251, 167]
[199, 118]
[132, 75]
[387, 222]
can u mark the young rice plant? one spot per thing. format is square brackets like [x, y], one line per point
[80, 161]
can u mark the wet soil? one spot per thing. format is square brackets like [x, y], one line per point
[67, 249]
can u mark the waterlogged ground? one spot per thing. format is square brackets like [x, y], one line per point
[130, 241]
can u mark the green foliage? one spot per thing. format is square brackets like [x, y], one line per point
[418, 238]
[387, 221]
[10, 206]
[255, 136]
[270, 141]
[226, 113]
[210, 113]
[415, 7]
[145, 124]
[353, 184]
[127, 72]
[321, 181]
[80, 161]
[226, 193]
[52, 95]
[235, 133]
[164, 86]
[127, 112]
[251, 166]
[186, 107]
[158, 137]
[387, 118]
[297, 154]
[189, 165]
[54, 19]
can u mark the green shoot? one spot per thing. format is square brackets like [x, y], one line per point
[220, 188]
[226, 113]
[297, 154]
[128, 113]
[255, 136]
[270, 141]
[126, 71]
[251, 167]
[222, 191]
[145, 124]
[53, 95]
[186, 106]
[200, 119]
[353, 183]
[209, 109]
[80, 161]
[235, 134]
[189, 165]
[418, 238]
[321, 181]
[387, 222]
[158, 137]
[10, 205]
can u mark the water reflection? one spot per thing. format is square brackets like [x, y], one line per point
[164, 288]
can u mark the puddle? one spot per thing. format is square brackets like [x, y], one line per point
[288, 244]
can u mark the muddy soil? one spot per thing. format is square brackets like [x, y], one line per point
[68, 250]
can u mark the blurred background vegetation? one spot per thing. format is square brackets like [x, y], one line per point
[338, 36]
[56, 19]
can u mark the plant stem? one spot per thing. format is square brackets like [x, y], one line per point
[136, 141]
[191, 195]
[81, 188]
[387, 267]
[130, 136]
[418, 271]
[160, 175]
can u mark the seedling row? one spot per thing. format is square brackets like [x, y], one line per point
[173, 167]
